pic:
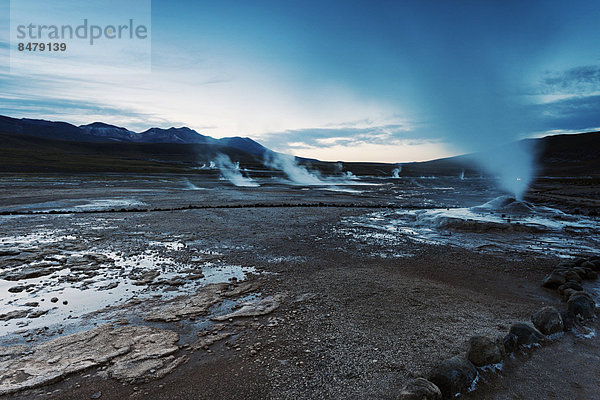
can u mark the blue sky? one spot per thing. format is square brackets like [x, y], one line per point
[388, 81]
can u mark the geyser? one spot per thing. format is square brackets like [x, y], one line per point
[470, 84]
[296, 173]
[231, 172]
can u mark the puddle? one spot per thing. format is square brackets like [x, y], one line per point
[501, 225]
[76, 205]
[50, 265]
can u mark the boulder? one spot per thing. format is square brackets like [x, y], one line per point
[454, 375]
[581, 304]
[27, 273]
[567, 293]
[570, 285]
[573, 276]
[578, 261]
[526, 334]
[142, 278]
[591, 275]
[566, 264]
[37, 313]
[510, 343]
[14, 315]
[485, 350]
[592, 264]
[420, 389]
[580, 271]
[568, 320]
[9, 252]
[548, 320]
[554, 280]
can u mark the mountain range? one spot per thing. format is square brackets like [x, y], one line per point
[99, 132]
[33, 145]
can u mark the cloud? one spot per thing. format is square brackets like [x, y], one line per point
[345, 135]
[566, 100]
[574, 81]
[578, 113]
[353, 141]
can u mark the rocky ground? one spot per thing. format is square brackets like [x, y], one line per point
[261, 303]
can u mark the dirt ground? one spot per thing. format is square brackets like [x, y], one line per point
[353, 324]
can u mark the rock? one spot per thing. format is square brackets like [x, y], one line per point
[37, 313]
[128, 352]
[75, 260]
[580, 271]
[241, 288]
[253, 308]
[554, 280]
[14, 315]
[578, 261]
[96, 395]
[31, 304]
[526, 334]
[133, 369]
[189, 306]
[510, 343]
[109, 286]
[17, 289]
[420, 389]
[568, 320]
[581, 304]
[54, 299]
[573, 276]
[594, 266]
[141, 278]
[209, 339]
[591, 275]
[13, 351]
[570, 285]
[567, 293]
[566, 264]
[198, 304]
[484, 350]
[9, 252]
[584, 293]
[177, 281]
[28, 272]
[548, 320]
[454, 375]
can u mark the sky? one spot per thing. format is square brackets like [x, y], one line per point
[389, 81]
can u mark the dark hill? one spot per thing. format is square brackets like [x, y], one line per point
[30, 145]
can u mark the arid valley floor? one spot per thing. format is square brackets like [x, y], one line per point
[187, 287]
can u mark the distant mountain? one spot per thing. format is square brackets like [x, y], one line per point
[38, 145]
[46, 129]
[557, 155]
[245, 144]
[173, 135]
[109, 132]
[100, 132]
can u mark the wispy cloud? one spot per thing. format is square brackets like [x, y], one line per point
[566, 100]
[578, 112]
[345, 135]
[574, 81]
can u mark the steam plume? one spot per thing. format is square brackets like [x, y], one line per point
[296, 173]
[231, 172]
